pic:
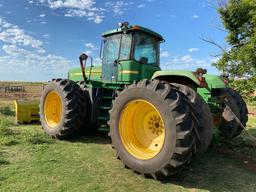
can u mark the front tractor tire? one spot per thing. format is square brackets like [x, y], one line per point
[152, 128]
[62, 110]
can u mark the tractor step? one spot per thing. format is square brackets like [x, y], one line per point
[107, 97]
[105, 107]
[103, 118]
[103, 128]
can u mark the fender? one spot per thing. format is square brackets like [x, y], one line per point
[214, 81]
[178, 76]
[188, 78]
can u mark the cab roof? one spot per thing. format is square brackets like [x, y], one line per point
[133, 28]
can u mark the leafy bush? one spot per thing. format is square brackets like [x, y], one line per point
[246, 87]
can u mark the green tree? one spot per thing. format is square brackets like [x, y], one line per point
[239, 19]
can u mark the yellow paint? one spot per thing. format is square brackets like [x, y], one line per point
[129, 72]
[26, 111]
[53, 109]
[141, 129]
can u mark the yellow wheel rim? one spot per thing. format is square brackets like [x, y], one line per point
[52, 109]
[141, 129]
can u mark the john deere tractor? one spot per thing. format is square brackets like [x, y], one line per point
[157, 120]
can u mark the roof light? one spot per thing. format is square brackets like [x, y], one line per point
[135, 27]
[123, 24]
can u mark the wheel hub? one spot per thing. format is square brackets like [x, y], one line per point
[141, 129]
[52, 109]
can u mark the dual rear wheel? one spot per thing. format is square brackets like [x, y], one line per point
[62, 109]
[153, 128]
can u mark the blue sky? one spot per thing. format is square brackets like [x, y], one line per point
[42, 39]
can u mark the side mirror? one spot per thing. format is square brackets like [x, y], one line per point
[82, 58]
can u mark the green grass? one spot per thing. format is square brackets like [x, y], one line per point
[31, 161]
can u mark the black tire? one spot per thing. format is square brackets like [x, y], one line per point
[86, 128]
[179, 125]
[231, 129]
[73, 111]
[203, 115]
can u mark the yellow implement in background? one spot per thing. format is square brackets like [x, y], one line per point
[27, 111]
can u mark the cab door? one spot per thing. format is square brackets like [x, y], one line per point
[110, 56]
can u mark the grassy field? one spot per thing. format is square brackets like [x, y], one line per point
[31, 161]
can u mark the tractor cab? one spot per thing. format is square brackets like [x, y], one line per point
[130, 53]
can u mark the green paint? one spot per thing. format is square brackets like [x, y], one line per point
[214, 81]
[129, 71]
[205, 93]
[75, 74]
[179, 73]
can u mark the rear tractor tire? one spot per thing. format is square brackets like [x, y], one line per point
[203, 115]
[231, 129]
[62, 109]
[152, 129]
[87, 128]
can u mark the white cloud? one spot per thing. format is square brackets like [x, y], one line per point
[118, 7]
[91, 16]
[15, 35]
[75, 8]
[187, 62]
[186, 58]
[215, 59]
[13, 50]
[142, 6]
[97, 61]
[46, 36]
[91, 46]
[98, 19]
[195, 16]
[88, 52]
[78, 4]
[193, 49]
[24, 53]
[164, 54]
[4, 24]
[42, 15]
[22, 60]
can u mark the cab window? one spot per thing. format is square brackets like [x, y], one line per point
[146, 49]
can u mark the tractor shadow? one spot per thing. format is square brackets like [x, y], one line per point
[99, 137]
[7, 111]
[218, 170]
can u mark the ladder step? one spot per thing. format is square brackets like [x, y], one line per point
[105, 107]
[103, 129]
[103, 118]
[107, 97]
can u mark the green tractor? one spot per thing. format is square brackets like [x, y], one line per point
[157, 120]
